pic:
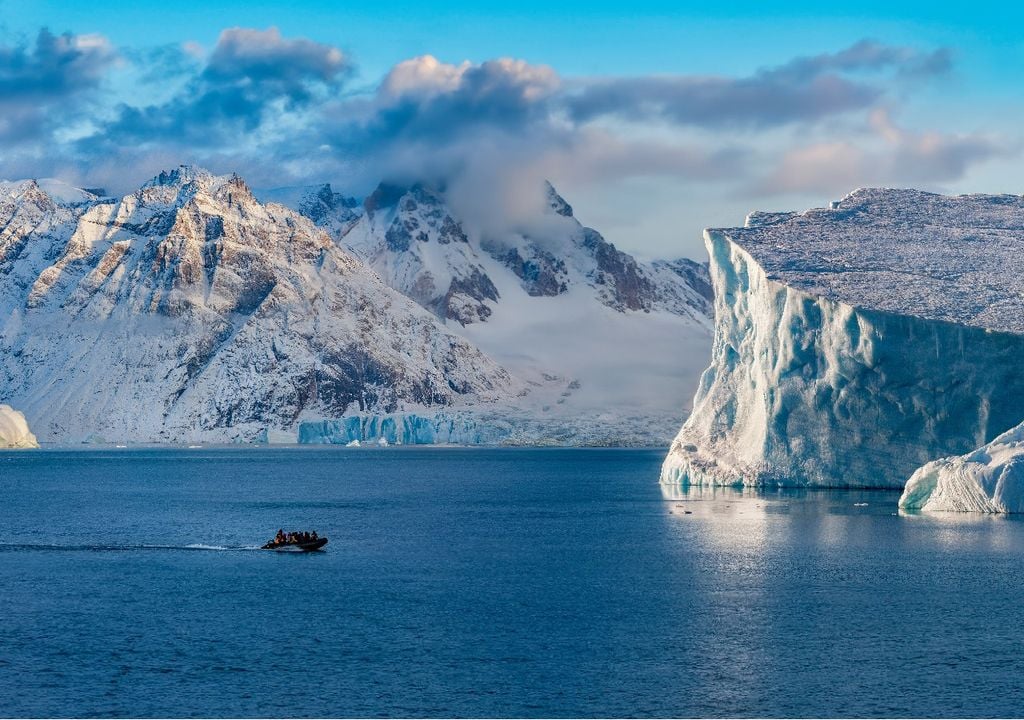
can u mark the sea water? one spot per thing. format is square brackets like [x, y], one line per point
[464, 582]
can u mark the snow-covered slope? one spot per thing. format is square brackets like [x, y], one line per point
[855, 343]
[620, 339]
[14, 432]
[989, 479]
[188, 310]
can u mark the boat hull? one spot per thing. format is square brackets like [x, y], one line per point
[311, 546]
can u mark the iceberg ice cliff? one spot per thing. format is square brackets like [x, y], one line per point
[853, 344]
[989, 479]
[14, 432]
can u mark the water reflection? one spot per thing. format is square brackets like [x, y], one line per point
[780, 500]
[828, 517]
[951, 531]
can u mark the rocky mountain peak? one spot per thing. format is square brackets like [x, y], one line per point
[323, 205]
[181, 176]
[556, 201]
[185, 182]
[26, 191]
[385, 195]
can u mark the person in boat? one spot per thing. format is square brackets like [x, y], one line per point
[299, 537]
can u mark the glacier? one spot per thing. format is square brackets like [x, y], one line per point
[498, 427]
[987, 480]
[402, 429]
[14, 432]
[856, 343]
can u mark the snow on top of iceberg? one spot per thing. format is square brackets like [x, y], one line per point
[949, 258]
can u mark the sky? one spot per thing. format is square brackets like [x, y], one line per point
[654, 120]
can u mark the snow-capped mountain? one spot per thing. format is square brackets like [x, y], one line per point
[547, 297]
[189, 310]
[421, 247]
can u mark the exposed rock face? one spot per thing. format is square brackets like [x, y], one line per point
[188, 309]
[694, 273]
[411, 239]
[854, 344]
[326, 204]
[542, 275]
[623, 284]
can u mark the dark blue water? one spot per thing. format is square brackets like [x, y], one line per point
[487, 583]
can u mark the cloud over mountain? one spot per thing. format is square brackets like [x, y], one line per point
[249, 75]
[42, 83]
[289, 110]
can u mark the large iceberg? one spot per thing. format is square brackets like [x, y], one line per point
[855, 343]
[14, 432]
[989, 479]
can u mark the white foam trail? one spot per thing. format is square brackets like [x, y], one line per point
[123, 548]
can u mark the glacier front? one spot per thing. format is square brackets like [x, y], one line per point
[855, 343]
[504, 426]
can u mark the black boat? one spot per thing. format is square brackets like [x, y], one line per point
[307, 546]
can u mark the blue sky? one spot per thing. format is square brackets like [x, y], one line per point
[611, 100]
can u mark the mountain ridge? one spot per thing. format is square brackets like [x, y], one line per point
[228, 316]
[194, 309]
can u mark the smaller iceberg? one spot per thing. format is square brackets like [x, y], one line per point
[14, 432]
[988, 480]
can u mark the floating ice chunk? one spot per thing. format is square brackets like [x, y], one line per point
[14, 432]
[354, 443]
[989, 479]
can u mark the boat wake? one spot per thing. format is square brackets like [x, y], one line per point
[15, 547]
